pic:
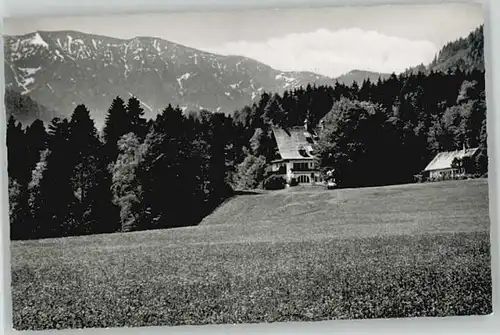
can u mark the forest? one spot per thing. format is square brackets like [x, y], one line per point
[68, 178]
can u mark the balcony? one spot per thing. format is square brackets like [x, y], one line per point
[307, 169]
[303, 167]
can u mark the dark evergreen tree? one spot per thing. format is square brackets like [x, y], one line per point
[365, 92]
[273, 111]
[135, 116]
[53, 200]
[17, 146]
[90, 179]
[166, 182]
[116, 125]
[217, 134]
[379, 133]
[36, 142]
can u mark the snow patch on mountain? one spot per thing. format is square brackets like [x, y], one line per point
[70, 39]
[25, 82]
[147, 106]
[58, 53]
[15, 46]
[88, 68]
[185, 76]
[29, 70]
[155, 45]
[282, 76]
[38, 40]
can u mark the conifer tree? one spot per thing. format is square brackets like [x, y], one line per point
[273, 111]
[116, 125]
[164, 171]
[54, 200]
[137, 122]
[90, 179]
[17, 164]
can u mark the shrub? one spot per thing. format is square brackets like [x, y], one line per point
[294, 182]
[274, 182]
[419, 178]
[251, 172]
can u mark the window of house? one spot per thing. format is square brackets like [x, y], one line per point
[300, 166]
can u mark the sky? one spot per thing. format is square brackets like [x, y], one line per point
[330, 40]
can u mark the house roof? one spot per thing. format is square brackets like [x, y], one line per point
[294, 143]
[443, 160]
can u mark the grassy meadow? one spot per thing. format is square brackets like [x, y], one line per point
[290, 255]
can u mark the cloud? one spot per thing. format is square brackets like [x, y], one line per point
[333, 53]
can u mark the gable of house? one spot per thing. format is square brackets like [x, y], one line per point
[443, 160]
[294, 143]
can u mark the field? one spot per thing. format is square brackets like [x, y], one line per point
[290, 255]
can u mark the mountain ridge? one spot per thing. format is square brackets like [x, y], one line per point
[358, 76]
[60, 69]
[465, 54]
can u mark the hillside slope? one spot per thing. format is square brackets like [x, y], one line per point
[378, 205]
[24, 109]
[295, 255]
[465, 54]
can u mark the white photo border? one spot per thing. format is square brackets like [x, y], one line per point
[449, 325]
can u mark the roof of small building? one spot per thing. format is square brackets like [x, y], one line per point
[294, 143]
[443, 160]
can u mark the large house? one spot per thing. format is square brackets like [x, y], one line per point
[441, 166]
[296, 162]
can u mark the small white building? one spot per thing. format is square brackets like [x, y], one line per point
[296, 160]
[441, 166]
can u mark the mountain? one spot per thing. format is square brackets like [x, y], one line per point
[62, 69]
[24, 109]
[466, 54]
[359, 76]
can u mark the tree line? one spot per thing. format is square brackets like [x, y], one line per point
[136, 174]
[375, 133]
[71, 179]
